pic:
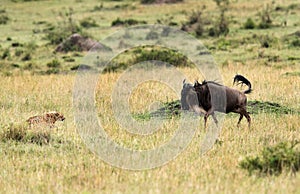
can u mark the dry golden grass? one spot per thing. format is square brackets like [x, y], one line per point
[66, 164]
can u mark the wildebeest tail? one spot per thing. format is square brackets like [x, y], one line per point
[239, 79]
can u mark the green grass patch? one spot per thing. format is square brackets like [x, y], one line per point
[148, 53]
[292, 74]
[256, 107]
[173, 108]
[273, 160]
[127, 22]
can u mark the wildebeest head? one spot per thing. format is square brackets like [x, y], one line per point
[189, 99]
[188, 96]
[201, 89]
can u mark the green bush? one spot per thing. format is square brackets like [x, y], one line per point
[160, 1]
[55, 63]
[148, 53]
[249, 24]
[126, 22]
[26, 57]
[296, 43]
[88, 23]
[56, 34]
[267, 41]
[221, 26]
[274, 160]
[6, 54]
[147, 1]
[195, 23]
[265, 17]
[165, 55]
[3, 19]
[19, 52]
[50, 71]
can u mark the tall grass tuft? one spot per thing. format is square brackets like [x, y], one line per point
[23, 133]
[14, 132]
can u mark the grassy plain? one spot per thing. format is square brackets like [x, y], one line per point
[66, 165]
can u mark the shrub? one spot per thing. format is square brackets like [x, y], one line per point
[68, 59]
[274, 160]
[294, 6]
[23, 133]
[265, 17]
[88, 23]
[81, 67]
[147, 1]
[26, 57]
[54, 64]
[195, 17]
[161, 54]
[249, 24]
[30, 46]
[14, 132]
[149, 53]
[29, 66]
[223, 24]
[57, 34]
[98, 7]
[15, 65]
[5, 54]
[221, 27]
[126, 22]
[267, 41]
[199, 30]
[167, 21]
[2, 11]
[3, 19]
[16, 44]
[50, 71]
[296, 43]
[160, 1]
[194, 24]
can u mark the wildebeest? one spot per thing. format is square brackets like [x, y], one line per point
[216, 97]
[189, 99]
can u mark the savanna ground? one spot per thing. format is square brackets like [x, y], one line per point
[29, 85]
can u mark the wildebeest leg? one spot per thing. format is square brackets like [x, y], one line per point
[205, 120]
[246, 114]
[215, 118]
[241, 116]
[210, 112]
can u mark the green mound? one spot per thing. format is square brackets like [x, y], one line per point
[173, 108]
[273, 160]
[256, 107]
